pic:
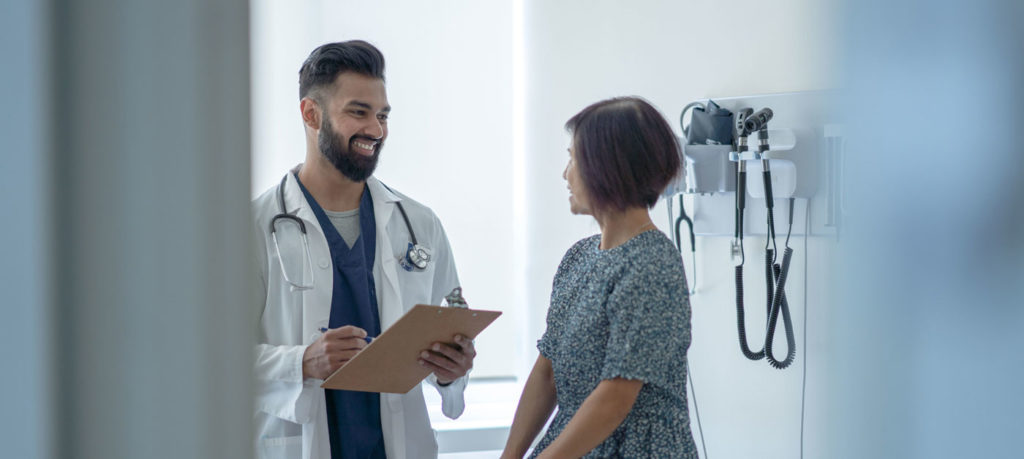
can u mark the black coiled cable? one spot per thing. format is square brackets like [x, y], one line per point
[769, 280]
[778, 304]
[775, 281]
[740, 325]
[771, 232]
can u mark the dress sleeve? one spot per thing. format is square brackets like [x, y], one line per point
[649, 322]
[546, 343]
[553, 326]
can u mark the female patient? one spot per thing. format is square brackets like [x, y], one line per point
[613, 357]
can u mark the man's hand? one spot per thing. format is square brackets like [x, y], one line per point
[449, 361]
[331, 351]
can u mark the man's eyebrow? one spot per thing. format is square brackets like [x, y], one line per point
[367, 106]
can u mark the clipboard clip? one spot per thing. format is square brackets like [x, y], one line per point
[455, 299]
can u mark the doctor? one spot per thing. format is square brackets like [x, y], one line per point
[340, 258]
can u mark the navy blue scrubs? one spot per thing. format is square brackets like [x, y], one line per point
[353, 418]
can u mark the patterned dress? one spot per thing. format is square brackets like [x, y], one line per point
[623, 313]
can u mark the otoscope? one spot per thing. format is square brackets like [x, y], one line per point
[759, 122]
[775, 275]
[737, 243]
[773, 272]
[741, 180]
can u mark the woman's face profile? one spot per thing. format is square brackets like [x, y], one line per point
[579, 202]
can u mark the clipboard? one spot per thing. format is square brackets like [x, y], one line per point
[390, 363]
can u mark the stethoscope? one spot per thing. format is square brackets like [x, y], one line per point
[416, 256]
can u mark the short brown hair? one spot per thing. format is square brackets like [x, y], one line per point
[625, 151]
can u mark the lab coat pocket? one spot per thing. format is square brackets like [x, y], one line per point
[280, 447]
[415, 284]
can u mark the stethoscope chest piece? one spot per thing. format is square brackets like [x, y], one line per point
[416, 258]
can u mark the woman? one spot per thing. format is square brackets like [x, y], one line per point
[613, 357]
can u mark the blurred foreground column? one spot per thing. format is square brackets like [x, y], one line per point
[134, 335]
[929, 322]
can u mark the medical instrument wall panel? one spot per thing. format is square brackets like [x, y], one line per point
[805, 157]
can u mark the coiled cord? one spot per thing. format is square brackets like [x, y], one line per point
[771, 235]
[780, 304]
[740, 325]
[769, 281]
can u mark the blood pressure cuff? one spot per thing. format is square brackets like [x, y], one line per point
[711, 125]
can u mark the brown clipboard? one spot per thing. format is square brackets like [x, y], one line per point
[390, 363]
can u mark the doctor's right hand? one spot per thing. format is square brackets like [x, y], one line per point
[332, 350]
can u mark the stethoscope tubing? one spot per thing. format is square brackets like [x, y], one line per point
[416, 257]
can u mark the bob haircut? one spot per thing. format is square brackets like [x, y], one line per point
[626, 153]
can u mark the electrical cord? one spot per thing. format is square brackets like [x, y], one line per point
[775, 275]
[803, 387]
[696, 410]
[683, 128]
[693, 249]
[740, 322]
[779, 303]
[741, 326]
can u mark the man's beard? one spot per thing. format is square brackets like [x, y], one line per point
[354, 166]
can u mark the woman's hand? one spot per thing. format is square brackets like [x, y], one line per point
[601, 413]
[535, 407]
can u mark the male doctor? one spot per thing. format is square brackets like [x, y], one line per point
[335, 269]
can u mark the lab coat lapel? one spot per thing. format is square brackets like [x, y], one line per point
[391, 308]
[296, 203]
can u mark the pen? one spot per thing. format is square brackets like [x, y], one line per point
[367, 338]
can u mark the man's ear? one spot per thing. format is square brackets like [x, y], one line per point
[311, 113]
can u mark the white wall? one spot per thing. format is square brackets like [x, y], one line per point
[578, 52]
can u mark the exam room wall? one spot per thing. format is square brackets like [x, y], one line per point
[671, 53]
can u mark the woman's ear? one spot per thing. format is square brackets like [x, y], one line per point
[311, 113]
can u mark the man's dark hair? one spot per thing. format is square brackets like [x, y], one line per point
[625, 151]
[326, 62]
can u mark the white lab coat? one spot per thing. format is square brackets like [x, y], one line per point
[291, 415]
